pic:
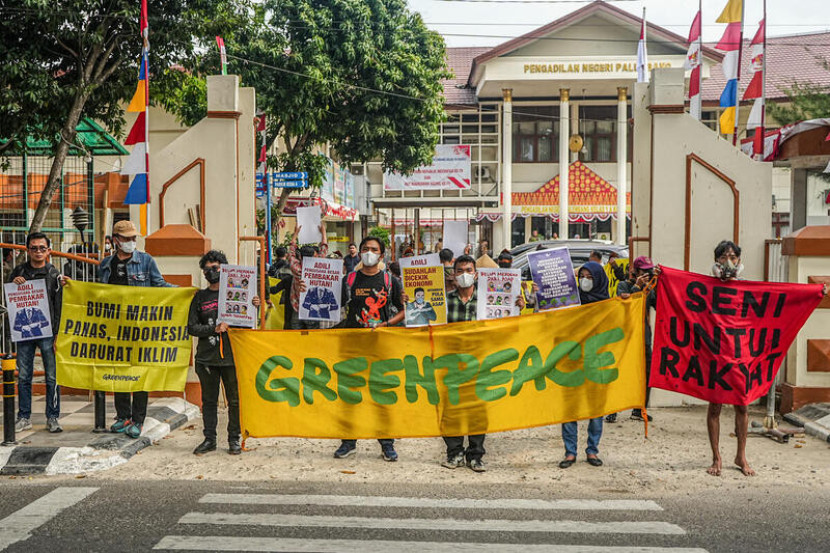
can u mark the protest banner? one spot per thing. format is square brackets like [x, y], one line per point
[321, 299]
[613, 281]
[29, 312]
[450, 170]
[423, 283]
[553, 273]
[275, 314]
[497, 293]
[455, 237]
[237, 288]
[724, 341]
[123, 338]
[451, 380]
[309, 219]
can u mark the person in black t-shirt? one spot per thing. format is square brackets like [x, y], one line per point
[214, 358]
[367, 295]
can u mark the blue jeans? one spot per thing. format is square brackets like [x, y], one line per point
[569, 436]
[25, 368]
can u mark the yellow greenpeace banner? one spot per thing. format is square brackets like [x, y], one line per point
[449, 380]
[124, 338]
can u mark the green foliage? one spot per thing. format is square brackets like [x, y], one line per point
[381, 233]
[807, 101]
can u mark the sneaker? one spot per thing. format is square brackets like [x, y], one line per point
[52, 425]
[611, 418]
[637, 415]
[205, 447]
[454, 462]
[389, 454]
[120, 425]
[134, 430]
[234, 446]
[344, 450]
[477, 465]
[22, 425]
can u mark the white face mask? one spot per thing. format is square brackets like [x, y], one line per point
[465, 280]
[586, 284]
[127, 247]
[370, 259]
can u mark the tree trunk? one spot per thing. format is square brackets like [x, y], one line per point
[67, 134]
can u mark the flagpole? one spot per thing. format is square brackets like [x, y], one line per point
[738, 82]
[145, 32]
[764, 90]
[699, 100]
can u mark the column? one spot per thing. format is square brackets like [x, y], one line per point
[507, 166]
[622, 162]
[564, 166]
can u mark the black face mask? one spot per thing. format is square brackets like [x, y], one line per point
[505, 264]
[212, 275]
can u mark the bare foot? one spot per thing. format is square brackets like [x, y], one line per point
[744, 467]
[715, 469]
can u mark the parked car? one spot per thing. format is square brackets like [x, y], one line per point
[579, 251]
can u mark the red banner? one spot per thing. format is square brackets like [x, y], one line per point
[723, 341]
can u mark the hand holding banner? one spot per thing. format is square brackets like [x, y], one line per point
[553, 273]
[498, 290]
[29, 312]
[237, 289]
[724, 341]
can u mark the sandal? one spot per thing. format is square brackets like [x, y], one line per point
[595, 461]
[567, 462]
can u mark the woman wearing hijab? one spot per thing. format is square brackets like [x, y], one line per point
[593, 287]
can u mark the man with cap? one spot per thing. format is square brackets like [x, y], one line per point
[129, 267]
[642, 271]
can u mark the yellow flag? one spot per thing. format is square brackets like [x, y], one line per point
[123, 338]
[139, 102]
[732, 12]
[449, 380]
[727, 121]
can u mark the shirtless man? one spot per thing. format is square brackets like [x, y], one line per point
[727, 267]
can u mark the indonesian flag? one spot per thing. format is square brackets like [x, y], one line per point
[693, 63]
[223, 55]
[642, 54]
[756, 85]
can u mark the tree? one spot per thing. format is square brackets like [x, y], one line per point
[806, 101]
[363, 76]
[69, 59]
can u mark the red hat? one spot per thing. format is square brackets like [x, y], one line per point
[643, 263]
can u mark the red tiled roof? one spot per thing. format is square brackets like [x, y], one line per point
[460, 61]
[789, 59]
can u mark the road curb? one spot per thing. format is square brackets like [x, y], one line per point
[104, 451]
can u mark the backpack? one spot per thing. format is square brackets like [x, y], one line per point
[352, 277]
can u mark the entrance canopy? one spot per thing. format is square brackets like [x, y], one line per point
[590, 197]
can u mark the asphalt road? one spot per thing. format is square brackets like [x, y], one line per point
[53, 515]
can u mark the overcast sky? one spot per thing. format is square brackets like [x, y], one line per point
[467, 23]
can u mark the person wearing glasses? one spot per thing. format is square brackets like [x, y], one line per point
[31, 322]
[129, 267]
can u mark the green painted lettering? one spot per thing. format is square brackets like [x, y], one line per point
[594, 360]
[567, 379]
[380, 381]
[531, 367]
[456, 375]
[347, 380]
[488, 378]
[278, 389]
[415, 378]
[316, 376]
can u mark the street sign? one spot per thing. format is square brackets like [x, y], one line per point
[289, 184]
[290, 176]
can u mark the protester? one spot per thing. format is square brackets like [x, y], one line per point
[505, 260]
[439, 245]
[728, 267]
[484, 247]
[37, 268]
[352, 259]
[107, 245]
[129, 267]
[295, 262]
[368, 296]
[462, 305]
[279, 268]
[642, 271]
[214, 357]
[595, 256]
[446, 258]
[593, 287]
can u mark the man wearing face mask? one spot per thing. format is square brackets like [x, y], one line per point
[129, 267]
[445, 256]
[368, 294]
[214, 357]
[727, 267]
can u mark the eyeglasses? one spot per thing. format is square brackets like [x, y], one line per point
[38, 248]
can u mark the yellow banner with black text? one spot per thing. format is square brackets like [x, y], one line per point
[123, 338]
[449, 380]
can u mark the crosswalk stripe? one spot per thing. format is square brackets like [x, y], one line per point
[284, 545]
[377, 501]
[555, 526]
[19, 525]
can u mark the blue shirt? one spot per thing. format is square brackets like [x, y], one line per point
[141, 270]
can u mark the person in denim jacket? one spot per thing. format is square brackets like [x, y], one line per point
[129, 267]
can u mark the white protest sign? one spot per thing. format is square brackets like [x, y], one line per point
[427, 260]
[455, 236]
[29, 313]
[321, 299]
[498, 290]
[309, 219]
[237, 288]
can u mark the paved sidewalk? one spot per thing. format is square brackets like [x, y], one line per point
[77, 449]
